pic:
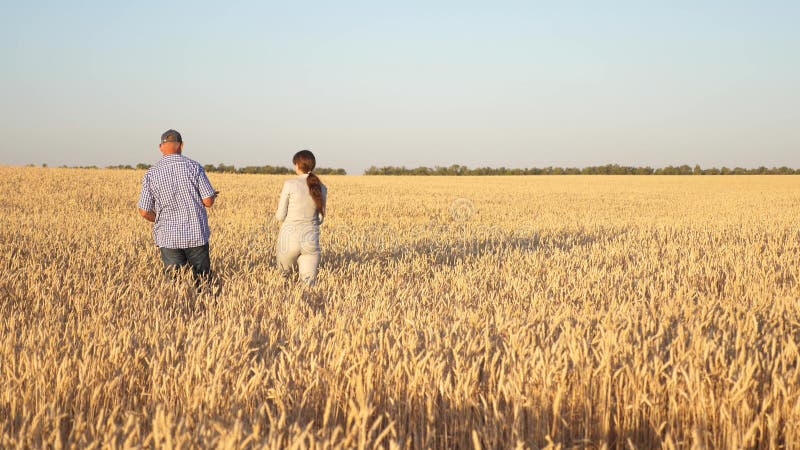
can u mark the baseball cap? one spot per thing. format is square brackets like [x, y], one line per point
[171, 136]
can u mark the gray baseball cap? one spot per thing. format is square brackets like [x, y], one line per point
[171, 136]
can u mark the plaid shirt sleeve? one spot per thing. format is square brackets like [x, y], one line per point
[203, 185]
[147, 201]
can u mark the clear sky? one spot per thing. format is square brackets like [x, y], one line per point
[503, 83]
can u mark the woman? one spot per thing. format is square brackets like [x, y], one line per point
[301, 210]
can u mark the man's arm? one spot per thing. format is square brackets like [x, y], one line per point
[149, 216]
[147, 202]
[207, 193]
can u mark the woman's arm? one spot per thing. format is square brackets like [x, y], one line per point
[324, 202]
[283, 204]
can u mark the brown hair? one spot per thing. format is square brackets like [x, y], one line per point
[306, 162]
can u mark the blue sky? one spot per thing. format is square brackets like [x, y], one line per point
[515, 84]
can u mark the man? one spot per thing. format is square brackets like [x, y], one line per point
[175, 194]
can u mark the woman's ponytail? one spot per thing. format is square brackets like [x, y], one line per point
[306, 162]
[315, 189]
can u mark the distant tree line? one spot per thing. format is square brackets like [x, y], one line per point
[140, 166]
[224, 168]
[608, 169]
[268, 170]
[455, 169]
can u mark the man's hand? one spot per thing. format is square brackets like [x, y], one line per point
[149, 216]
[209, 201]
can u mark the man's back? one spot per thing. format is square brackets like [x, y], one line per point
[174, 188]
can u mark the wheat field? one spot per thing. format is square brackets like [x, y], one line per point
[450, 312]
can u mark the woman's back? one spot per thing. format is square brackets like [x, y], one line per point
[296, 206]
[301, 208]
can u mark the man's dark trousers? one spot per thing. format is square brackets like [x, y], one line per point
[196, 257]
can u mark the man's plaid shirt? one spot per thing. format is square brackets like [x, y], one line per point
[174, 189]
